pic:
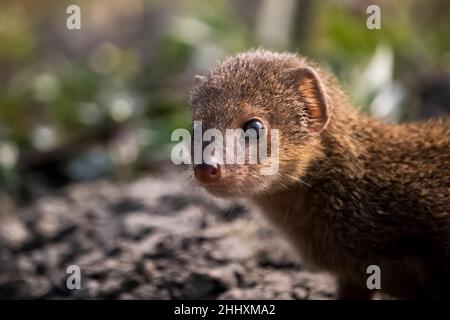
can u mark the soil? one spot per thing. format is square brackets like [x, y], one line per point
[151, 239]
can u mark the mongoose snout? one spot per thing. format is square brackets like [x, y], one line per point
[207, 173]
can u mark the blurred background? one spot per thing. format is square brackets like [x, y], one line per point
[98, 102]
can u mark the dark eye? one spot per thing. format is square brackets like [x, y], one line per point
[255, 125]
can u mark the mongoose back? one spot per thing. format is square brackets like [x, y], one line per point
[351, 191]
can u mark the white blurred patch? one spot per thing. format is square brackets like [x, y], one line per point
[190, 30]
[207, 54]
[385, 104]
[9, 154]
[377, 87]
[378, 72]
[45, 87]
[121, 108]
[44, 138]
[275, 21]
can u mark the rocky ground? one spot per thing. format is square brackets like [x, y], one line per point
[151, 239]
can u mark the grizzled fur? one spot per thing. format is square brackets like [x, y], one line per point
[351, 191]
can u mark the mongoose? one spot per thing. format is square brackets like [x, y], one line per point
[351, 191]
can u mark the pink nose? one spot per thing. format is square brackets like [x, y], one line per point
[207, 173]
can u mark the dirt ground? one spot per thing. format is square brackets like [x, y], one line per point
[151, 239]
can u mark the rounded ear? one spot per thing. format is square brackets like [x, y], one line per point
[312, 93]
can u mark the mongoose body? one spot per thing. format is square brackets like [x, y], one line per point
[351, 191]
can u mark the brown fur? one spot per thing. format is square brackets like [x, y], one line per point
[351, 191]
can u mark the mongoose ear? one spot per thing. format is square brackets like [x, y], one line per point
[312, 93]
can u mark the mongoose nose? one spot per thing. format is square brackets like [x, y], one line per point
[207, 173]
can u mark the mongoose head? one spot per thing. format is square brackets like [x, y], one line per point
[254, 90]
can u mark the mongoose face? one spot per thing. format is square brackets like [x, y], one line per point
[260, 89]
[350, 192]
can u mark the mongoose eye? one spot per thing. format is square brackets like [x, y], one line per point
[255, 125]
